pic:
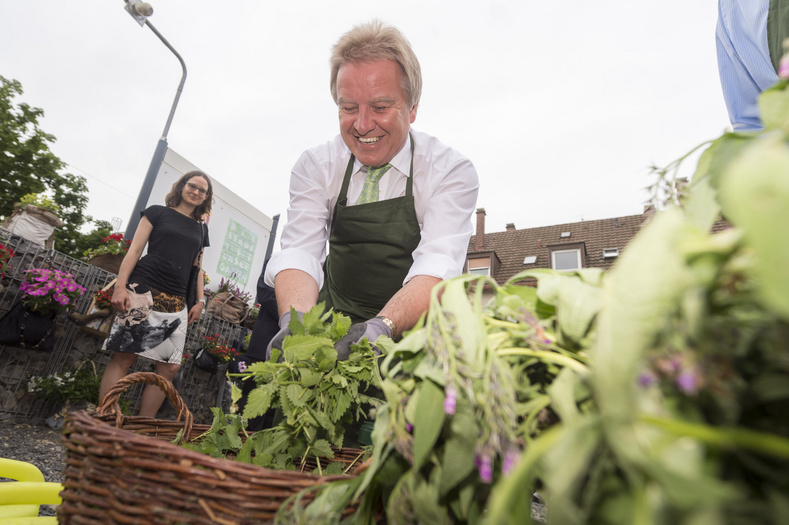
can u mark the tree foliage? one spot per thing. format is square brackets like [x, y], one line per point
[28, 166]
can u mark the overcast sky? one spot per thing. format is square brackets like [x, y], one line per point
[561, 106]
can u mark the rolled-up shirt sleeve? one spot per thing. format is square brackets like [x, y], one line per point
[446, 204]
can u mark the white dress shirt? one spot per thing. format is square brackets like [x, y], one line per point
[445, 191]
[743, 59]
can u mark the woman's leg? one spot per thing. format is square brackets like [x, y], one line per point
[116, 369]
[152, 396]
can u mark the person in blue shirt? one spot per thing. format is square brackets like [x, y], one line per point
[749, 39]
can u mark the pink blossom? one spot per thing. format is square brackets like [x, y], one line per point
[450, 401]
[485, 467]
[510, 460]
[687, 382]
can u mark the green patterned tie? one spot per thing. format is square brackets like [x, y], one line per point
[370, 189]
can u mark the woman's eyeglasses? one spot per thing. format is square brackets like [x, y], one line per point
[194, 187]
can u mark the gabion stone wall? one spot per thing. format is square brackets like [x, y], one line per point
[76, 347]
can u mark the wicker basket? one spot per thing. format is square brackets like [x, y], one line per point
[123, 469]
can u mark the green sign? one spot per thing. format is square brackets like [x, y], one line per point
[238, 250]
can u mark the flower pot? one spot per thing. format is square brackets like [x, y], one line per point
[109, 262]
[205, 361]
[27, 328]
[34, 224]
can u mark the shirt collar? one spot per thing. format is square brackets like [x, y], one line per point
[401, 161]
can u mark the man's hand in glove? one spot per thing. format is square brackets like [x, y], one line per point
[284, 331]
[372, 330]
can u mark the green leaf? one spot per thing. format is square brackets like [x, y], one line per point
[428, 370]
[280, 439]
[325, 358]
[466, 324]
[298, 395]
[428, 421]
[309, 377]
[259, 401]
[562, 393]
[321, 448]
[425, 497]
[578, 304]
[245, 454]
[639, 293]
[774, 107]
[340, 404]
[300, 347]
[754, 194]
[566, 465]
[311, 322]
[459, 448]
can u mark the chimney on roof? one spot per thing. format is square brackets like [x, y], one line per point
[510, 227]
[479, 240]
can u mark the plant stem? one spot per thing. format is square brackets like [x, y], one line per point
[724, 437]
[546, 356]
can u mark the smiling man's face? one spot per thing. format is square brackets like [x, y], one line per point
[375, 116]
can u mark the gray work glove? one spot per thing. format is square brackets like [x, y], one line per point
[372, 330]
[284, 331]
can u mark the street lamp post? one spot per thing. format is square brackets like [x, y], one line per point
[140, 11]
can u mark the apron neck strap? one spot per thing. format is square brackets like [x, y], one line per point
[349, 171]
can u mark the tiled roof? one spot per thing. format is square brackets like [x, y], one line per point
[512, 247]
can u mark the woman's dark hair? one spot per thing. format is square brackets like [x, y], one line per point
[173, 198]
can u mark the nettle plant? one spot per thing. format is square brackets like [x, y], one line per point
[316, 394]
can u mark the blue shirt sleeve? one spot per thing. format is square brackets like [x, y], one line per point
[744, 61]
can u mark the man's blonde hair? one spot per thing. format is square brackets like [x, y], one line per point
[374, 41]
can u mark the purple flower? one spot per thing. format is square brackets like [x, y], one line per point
[450, 401]
[646, 379]
[510, 460]
[783, 68]
[485, 468]
[688, 382]
[409, 427]
[242, 366]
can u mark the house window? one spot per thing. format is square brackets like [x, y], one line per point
[566, 260]
[531, 259]
[609, 253]
[479, 266]
[485, 270]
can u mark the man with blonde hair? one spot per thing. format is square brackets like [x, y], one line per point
[393, 204]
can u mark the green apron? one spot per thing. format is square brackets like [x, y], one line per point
[370, 251]
[777, 29]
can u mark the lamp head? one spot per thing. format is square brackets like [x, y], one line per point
[139, 10]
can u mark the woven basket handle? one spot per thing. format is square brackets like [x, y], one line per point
[109, 404]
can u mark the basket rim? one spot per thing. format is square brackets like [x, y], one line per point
[101, 429]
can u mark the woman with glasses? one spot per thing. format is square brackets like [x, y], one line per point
[150, 293]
